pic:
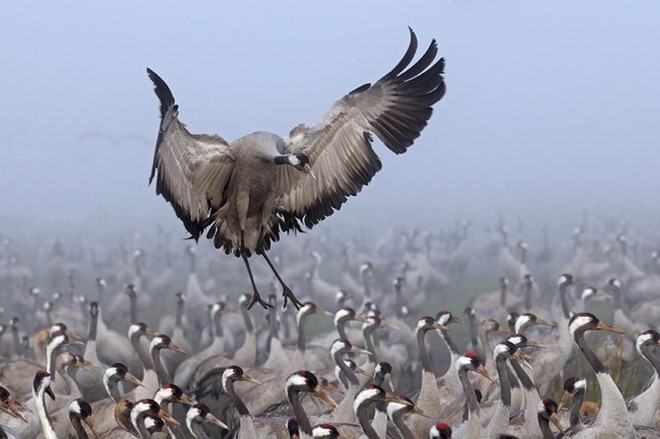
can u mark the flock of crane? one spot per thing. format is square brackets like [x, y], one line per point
[125, 354]
[127, 344]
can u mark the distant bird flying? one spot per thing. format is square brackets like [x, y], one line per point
[247, 191]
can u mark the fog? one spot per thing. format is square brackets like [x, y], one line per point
[551, 107]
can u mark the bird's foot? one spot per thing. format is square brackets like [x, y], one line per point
[256, 298]
[288, 294]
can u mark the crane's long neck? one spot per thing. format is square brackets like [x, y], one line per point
[528, 296]
[450, 342]
[406, 433]
[179, 314]
[423, 353]
[133, 298]
[468, 390]
[344, 412]
[473, 331]
[531, 396]
[42, 413]
[144, 358]
[304, 425]
[197, 430]
[578, 398]
[247, 320]
[367, 333]
[503, 291]
[161, 372]
[592, 358]
[505, 386]
[363, 419]
[613, 408]
[544, 424]
[341, 328]
[78, 427]
[238, 402]
[51, 351]
[564, 303]
[301, 335]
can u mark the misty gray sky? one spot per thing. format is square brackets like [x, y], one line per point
[548, 102]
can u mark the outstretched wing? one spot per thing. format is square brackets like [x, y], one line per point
[396, 109]
[193, 170]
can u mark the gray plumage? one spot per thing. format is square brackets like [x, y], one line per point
[238, 191]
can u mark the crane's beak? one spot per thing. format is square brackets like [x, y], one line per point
[11, 412]
[361, 319]
[249, 379]
[176, 349]
[385, 323]
[518, 355]
[89, 424]
[606, 327]
[22, 407]
[185, 399]
[534, 344]
[564, 398]
[323, 312]
[213, 420]
[440, 326]
[50, 393]
[481, 370]
[132, 379]
[503, 330]
[421, 413]
[546, 323]
[324, 396]
[393, 398]
[555, 420]
[166, 417]
[150, 332]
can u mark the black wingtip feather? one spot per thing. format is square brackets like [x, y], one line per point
[162, 91]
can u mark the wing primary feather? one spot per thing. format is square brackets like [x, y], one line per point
[421, 63]
[407, 57]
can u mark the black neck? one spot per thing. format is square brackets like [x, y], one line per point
[240, 406]
[179, 314]
[503, 289]
[133, 298]
[369, 342]
[525, 380]
[450, 343]
[473, 331]
[113, 389]
[528, 296]
[578, 398]
[303, 421]
[423, 353]
[77, 426]
[93, 325]
[505, 387]
[652, 359]
[247, 320]
[545, 426]
[198, 430]
[218, 331]
[468, 390]
[363, 419]
[403, 428]
[341, 328]
[564, 303]
[348, 373]
[595, 362]
[144, 358]
[301, 335]
[163, 375]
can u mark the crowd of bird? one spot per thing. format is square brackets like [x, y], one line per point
[151, 337]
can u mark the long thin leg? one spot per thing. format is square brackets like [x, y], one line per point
[256, 297]
[287, 293]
